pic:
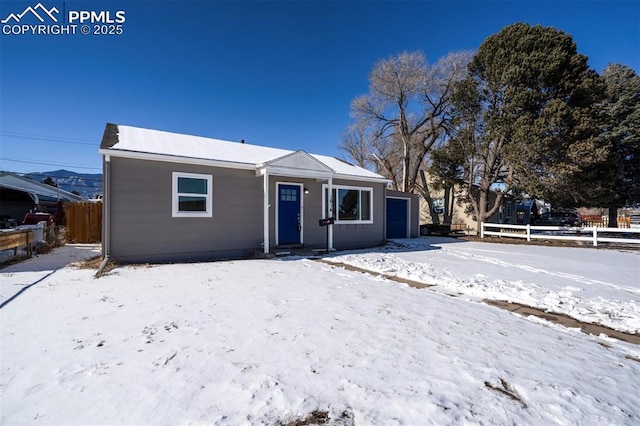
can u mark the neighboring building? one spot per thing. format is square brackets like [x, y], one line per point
[528, 209]
[173, 197]
[20, 195]
[460, 215]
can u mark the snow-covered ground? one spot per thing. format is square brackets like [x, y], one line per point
[596, 286]
[270, 341]
[17, 277]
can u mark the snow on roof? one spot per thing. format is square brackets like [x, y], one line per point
[344, 168]
[135, 139]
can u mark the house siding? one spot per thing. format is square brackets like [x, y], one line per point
[142, 228]
[344, 236]
[347, 236]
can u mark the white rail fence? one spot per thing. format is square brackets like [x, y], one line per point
[594, 235]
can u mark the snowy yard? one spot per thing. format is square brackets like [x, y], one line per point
[271, 341]
[596, 286]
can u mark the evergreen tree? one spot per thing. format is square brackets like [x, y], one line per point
[619, 174]
[49, 181]
[528, 117]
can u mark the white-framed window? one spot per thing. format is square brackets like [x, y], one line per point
[351, 204]
[192, 195]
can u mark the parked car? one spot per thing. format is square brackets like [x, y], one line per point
[558, 219]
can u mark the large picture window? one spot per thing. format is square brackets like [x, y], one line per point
[192, 195]
[351, 204]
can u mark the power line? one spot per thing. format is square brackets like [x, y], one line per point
[48, 138]
[42, 163]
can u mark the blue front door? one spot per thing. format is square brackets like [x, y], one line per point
[289, 220]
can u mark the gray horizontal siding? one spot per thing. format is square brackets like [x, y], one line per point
[142, 226]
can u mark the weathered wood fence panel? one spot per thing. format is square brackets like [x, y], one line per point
[603, 221]
[17, 239]
[84, 222]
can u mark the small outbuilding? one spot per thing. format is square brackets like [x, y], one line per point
[173, 197]
[403, 214]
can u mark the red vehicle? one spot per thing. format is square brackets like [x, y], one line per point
[35, 218]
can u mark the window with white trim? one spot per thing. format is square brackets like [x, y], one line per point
[192, 195]
[351, 204]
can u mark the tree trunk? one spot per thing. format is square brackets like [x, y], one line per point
[448, 205]
[613, 217]
[482, 210]
[435, 219]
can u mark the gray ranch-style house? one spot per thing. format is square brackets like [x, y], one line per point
[170, 197]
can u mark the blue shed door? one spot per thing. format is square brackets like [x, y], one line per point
[289, 221]
[397, 210]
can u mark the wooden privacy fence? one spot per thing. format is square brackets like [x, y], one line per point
[84, 222]
[603, 221]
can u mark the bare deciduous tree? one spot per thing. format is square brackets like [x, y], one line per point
[406, 112]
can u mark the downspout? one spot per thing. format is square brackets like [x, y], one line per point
[331, 212]
[106, 219]
[265, 219]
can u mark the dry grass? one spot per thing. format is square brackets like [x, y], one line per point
[318, 417]
[94, 263]
[506, 389]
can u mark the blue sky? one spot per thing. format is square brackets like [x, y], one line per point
[280, 74]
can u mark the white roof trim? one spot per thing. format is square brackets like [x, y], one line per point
[176, 159]
[361, 178]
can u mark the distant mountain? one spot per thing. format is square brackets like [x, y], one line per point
[88, 185]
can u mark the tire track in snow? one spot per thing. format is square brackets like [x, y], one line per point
[577, 278]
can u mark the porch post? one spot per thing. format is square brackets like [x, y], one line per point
[265, 201]
[331, 212]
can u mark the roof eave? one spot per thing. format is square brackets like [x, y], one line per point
[361, 178]
[137, 155]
